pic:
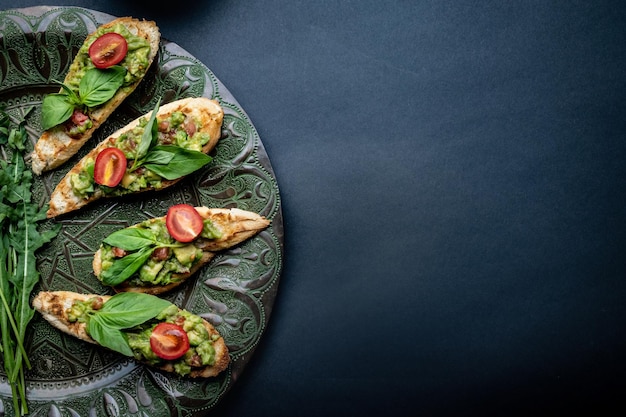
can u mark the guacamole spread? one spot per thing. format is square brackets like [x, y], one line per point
[201, 351]
[177, 129]
[167, 258]
[136, 60]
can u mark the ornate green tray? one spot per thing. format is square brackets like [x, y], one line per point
[235, 292]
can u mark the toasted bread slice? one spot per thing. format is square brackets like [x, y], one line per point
[206, 113]
[55, 145]
[235, 226]
[54, 306]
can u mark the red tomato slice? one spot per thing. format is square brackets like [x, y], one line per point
[169, 341]
[183, 222]
[110, 167]
[109, 49]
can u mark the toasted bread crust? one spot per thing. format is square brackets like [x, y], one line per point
[208, 111]
[53, 305]
[54, 147]
[236, 225]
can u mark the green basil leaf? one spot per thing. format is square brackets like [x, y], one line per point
[55, 110]
[72, 97]
[131, 238]
[183, 162]
[98, 85]
[129, 309]
[150, 134]
[123, 311]
[125, 267]
[158, 155]
[109, 337]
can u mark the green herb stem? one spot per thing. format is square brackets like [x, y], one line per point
[19, 241]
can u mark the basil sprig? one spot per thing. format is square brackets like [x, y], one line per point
[172, 162]
[141, 243]
[122, 311]
[96, 87]
[148, 138]
[168, 161]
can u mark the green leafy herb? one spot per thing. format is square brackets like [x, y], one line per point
[55, 109]
[96, 87]
[180, 161]
[131, 238]
[149, 136]
[109, 337]
[20, 238]
[168, 161]
[123, 311]
[141, 243]
[125, 267]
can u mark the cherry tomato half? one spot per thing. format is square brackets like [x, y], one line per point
[169, 341]
[183, 222]
[109, 49]
[110, 167]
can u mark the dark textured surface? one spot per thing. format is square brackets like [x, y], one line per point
[453, 185]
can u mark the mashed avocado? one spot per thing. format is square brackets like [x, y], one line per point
[163, 265]
[136, 60]
[201, 351]
[173, 130]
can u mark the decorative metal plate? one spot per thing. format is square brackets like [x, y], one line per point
[235, 291]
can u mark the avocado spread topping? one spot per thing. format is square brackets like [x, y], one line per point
[201, 351]
[136, 60]
[177, 131]
[163, 260]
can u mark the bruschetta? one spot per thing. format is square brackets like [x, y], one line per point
[151, 153]
[152, 330]
[159, 254]
[110, 64]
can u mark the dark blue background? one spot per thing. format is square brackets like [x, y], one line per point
[453, 182]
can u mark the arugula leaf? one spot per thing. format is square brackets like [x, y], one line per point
[182, 162]
[125, 267]
[98, 85]
[19, 241]
[131, 238]
[16, 140]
